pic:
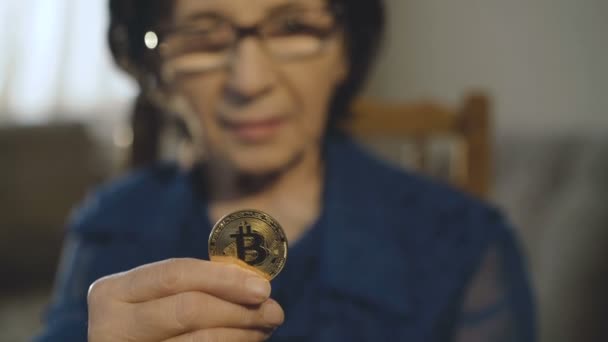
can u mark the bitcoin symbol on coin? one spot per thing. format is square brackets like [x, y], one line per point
[251, 237]
[250, 243]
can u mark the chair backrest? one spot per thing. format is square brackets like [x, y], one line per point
[465, 129]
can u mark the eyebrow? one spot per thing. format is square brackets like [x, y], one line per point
[204, 15]
[294, 5]
[277, 9]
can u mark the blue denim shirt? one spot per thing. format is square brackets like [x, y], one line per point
[393, 256]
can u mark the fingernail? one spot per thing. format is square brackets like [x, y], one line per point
[272, 313]
[258, 287]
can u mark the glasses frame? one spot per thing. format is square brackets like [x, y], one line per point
[242, 32]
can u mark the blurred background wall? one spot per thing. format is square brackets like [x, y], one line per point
[543, 62]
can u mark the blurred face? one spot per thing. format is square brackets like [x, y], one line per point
[259, 97]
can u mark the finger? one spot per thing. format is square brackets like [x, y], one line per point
[223, 334]
[166, 278]
[192, 311]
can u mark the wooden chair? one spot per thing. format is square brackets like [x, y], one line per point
[467, 128]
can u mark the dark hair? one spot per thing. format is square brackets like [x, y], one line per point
[363, 22]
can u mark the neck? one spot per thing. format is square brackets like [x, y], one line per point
[226, 184]
[292, 194]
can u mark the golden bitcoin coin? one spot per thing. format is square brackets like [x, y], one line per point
[251, 238]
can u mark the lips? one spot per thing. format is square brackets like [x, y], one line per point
[253, 130]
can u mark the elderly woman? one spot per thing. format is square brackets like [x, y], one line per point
[377, 254]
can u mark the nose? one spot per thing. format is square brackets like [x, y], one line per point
[251, 72]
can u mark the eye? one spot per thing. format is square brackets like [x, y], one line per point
[306, 23]
[201, 36]
[294, 25]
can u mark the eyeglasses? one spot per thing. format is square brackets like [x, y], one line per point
[208, 42]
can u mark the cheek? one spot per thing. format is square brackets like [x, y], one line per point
[313, 88]
[203, 93]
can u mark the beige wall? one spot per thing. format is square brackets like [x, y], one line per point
[545, 61]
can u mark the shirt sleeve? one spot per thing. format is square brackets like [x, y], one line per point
[497, 304]
[66, 317]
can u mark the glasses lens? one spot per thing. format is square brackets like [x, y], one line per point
[298, 34]
[200, 45]
[195, 62]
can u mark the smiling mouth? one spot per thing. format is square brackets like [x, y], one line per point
[253, 130]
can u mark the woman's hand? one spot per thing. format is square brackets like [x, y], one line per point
[182, 300]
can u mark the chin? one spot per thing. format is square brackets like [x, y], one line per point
[263, 163]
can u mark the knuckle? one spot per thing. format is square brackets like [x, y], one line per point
[188, 309]
[260, 336]
[281, 315]
[205, 336]
[170, 274]
[249, 317]
[272, 313]
[233, 276]
[212, 335]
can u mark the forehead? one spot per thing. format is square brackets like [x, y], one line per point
[245, 11]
